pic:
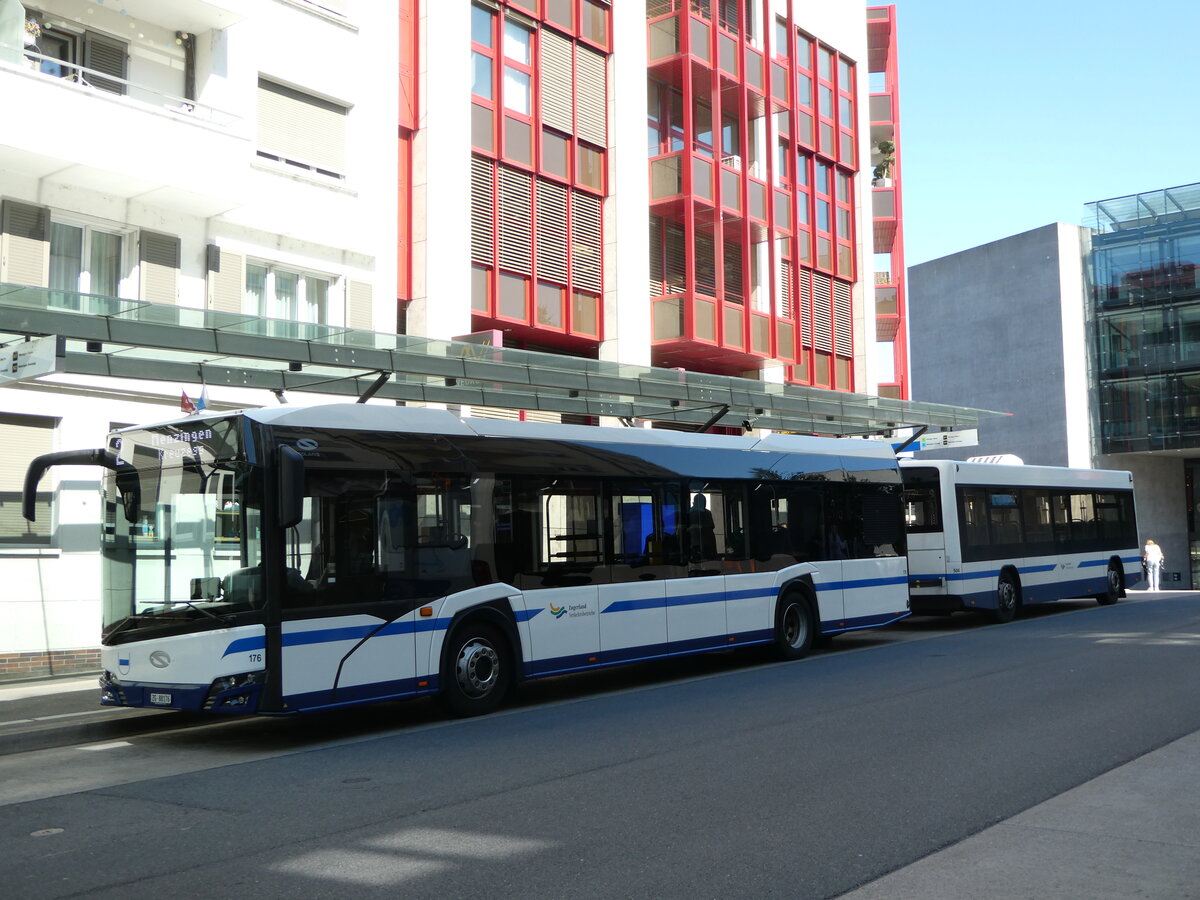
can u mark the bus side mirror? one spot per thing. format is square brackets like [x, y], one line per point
[39, 465]
[291, 487]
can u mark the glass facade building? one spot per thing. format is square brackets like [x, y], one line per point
[1144, 268]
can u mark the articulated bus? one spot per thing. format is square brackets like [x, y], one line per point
[997, 537]
[294, 559]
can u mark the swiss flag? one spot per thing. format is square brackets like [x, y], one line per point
[186, 404]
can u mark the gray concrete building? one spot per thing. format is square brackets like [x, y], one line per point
[1082, 335]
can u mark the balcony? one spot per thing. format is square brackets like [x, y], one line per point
[110, 104]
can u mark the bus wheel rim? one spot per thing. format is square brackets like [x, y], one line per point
[478, 668]
[794, 625]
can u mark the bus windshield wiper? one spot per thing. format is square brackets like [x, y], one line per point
[224, 620]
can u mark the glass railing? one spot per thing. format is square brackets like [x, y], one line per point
[92, 80]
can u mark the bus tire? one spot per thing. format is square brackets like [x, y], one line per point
[1008, 597]
[1115, 585]
[795, 625]
[477, 671]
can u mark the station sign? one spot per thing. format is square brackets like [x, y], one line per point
[31, 359]
[967, 437]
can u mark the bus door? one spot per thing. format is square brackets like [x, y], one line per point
[926, 537]
[646, 553]
[558, 544]
[696, 603]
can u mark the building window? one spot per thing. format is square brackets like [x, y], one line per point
[84, 260]
[301, 130]
[23, 438]
[87, 57]
[278, 293]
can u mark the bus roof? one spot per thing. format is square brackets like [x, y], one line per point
[420, 420]
[1001, 474]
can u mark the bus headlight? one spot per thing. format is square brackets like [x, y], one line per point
[235, 693]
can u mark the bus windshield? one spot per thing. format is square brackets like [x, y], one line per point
[187, 547]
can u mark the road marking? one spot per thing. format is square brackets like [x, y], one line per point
[57, 716]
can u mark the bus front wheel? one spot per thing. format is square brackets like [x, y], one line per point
[795, 625]
[478, 670]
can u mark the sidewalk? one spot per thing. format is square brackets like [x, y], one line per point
[1132, 832]
[57, 712]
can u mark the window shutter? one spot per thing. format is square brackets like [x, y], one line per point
[227, 284]
[301, 128]
[360, 307]
[159, 258]
[483, 211]
[587, 241]
[733, 272]
[676, 256]
[785, 289]
[24, 244]
[23, 438]
[592, 89]
[516, 222]
[552, 231]
[804, 309]
[556, 82]
[108, 56]
[706, 265]
[843, 329]
[537, 415]
[822, 314]
[656, 256]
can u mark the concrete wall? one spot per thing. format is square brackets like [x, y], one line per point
[988, 329]
[1161, 500]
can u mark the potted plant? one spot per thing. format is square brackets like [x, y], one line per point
[882, 175]
[33, 31]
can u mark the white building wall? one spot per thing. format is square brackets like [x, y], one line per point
[147, 160]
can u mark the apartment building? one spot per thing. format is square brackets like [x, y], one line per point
[642, 203]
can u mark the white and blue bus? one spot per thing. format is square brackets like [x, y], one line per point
[304, 558]
[997, 537]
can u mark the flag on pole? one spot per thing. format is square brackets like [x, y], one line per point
[202, 403]
[186, 404]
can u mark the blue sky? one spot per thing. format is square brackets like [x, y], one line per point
[1014, 114]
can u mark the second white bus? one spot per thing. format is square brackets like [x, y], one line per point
[998, 537]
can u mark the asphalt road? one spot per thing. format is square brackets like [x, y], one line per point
[801, 779]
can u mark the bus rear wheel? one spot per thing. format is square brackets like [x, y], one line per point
[1008, 598]
[795, 625]
[478, 670]
[1112, 593]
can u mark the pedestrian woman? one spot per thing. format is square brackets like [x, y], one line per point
[1153, 559]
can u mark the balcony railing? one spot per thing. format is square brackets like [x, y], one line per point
[93, 80]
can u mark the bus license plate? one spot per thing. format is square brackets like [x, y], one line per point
[160, 699]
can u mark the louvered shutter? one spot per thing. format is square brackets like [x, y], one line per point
[592, 91]
[516, 221]
[656, 256]
[227, 284]
[822, 314]
[843, 328]
[360, 306]
[301, 128]
[556, 82]
[483, 212]
[158, 255]
[22, 438]
[552, 232]
[785, 289]
[733, 271]
[676, 259]
[706, 265]
[24, 244]
[108, 56]
[586, 241]
[804, 308]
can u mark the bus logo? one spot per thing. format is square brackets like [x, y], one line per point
[558, 611]
[159, 659]
[307, 444]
